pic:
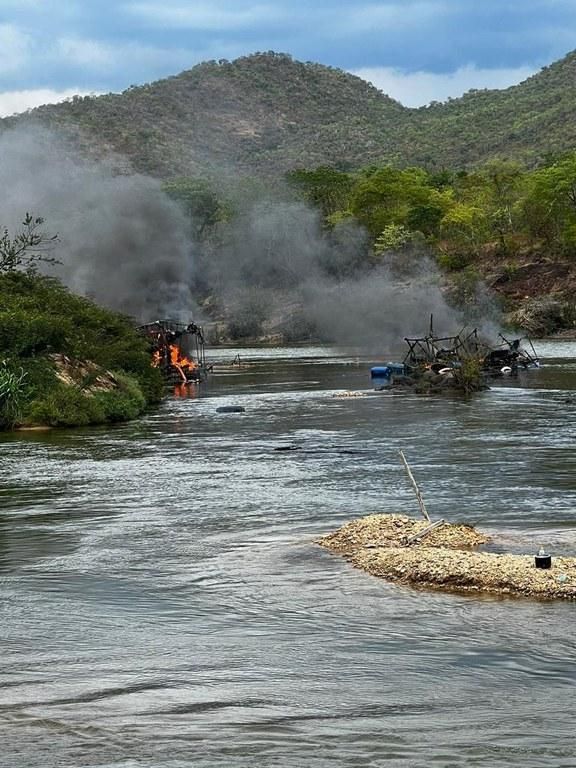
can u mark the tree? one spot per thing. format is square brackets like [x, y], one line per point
[466, 226]
[199, 201]
[325, 187]
[386, 196]
[393, 237]
[504, 186]
[550, 204]
[27, 248]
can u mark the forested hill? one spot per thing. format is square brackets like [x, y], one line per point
[528, 122]
[262, 115]
[266, 114]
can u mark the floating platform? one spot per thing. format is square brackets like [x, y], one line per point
[446, 559]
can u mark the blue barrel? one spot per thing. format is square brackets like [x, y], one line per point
[397, 369]
[381, 376]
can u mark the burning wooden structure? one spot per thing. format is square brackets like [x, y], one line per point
[177, 350]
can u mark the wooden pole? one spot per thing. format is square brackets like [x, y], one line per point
[415, 486]
[424, 532]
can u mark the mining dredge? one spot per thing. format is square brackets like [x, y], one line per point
[177, 350]
[463, 361]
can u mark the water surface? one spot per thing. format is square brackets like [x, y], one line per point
[164, 605]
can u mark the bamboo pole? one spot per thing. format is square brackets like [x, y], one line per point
[415, 486]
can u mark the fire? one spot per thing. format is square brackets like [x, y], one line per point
[156, 359]
[180, 362]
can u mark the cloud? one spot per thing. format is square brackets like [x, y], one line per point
[86, 53]
[15, 46]
[371, 17]
[204, 16]
[13, 102]
[135, 60]
[406, 46]
[414, 89]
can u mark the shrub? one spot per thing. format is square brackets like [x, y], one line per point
[39, 316]
[65, 406]
[11, 394]
[453, 261]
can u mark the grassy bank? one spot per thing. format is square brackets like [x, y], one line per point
[64, 361]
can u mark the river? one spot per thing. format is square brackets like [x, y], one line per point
[164, 604]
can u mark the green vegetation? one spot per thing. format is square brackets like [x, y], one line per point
[266, 127]
[27, 247]
[499, 206]
[66, 361]
[500, 226]
[267, 114]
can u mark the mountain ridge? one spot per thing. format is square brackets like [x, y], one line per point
[267, 113]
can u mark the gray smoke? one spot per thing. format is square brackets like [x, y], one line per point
[273, 267]
[122, 240]
[277, 260]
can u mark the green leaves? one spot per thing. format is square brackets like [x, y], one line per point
[199, 201]
[324, 187]
[11, 394]
[41, 320]
[29, 246]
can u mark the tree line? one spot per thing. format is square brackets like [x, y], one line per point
[500, 207]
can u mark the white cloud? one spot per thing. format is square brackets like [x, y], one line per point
[205, 16]
[86, 53]
[414, 89]
[368, 18]
[129, 57]
[13, 102]
[15, 48]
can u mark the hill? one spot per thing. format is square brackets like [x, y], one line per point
[262, 114]
[266, 114]
[528, 122]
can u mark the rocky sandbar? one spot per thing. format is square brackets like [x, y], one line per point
[445, 559]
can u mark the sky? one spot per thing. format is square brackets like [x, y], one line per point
[416, 51]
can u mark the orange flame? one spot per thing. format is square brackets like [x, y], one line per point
[181, 363]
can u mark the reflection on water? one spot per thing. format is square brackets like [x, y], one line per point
[190, 390]
[164, 604]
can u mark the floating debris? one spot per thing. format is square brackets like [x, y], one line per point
[231, 409]
[444, 559]
[348, 394]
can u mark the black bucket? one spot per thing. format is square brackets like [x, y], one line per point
[543, 561]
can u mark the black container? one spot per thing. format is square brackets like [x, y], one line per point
[543, 561]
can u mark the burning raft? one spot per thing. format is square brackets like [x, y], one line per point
[388, 546]
[177, 350]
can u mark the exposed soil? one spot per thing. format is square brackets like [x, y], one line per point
[84, 373]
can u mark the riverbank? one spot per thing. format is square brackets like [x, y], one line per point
[65, 361]
[445, 559]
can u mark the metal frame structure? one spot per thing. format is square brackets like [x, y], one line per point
[188, 338]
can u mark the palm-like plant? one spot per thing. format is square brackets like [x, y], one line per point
[11, 391]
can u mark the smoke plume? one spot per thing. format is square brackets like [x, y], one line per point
[273, 267]
[122, 241]
[279, 265]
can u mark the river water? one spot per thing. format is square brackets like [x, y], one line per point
[164, 604]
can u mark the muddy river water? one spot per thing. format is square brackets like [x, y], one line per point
[163, 603]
